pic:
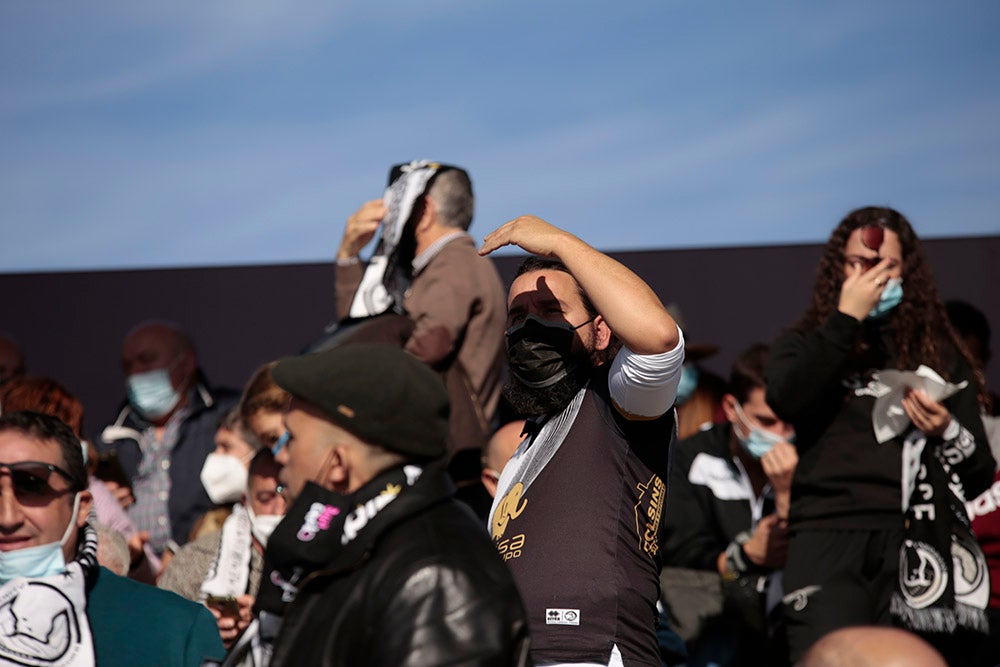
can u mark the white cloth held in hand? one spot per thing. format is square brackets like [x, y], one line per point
[889, 419]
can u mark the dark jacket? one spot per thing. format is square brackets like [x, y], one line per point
[710, 500]
[196, 440]
[421, 585]
[845, 479]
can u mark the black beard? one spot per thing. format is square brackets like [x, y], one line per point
[530, 402]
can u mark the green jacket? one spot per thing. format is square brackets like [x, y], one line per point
[136, 624]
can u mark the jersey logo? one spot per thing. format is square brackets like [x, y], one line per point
[509, 508]
[562, 617]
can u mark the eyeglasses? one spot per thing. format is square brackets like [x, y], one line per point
[30, 479]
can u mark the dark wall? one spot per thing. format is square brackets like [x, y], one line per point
[70, 325]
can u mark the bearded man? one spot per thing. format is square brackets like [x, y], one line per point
[595, 360]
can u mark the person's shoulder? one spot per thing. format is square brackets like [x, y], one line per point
[152, 625]
[121, 592]
[711, 440]
[204, 545]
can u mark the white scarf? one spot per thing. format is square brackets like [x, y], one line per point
[534, 453]
[43, 621]
[230, 571]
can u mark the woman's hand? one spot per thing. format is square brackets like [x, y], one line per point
[926, 414]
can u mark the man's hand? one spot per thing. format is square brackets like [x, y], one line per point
[861, 289]
[123, 494]
[926, 414]
[779, 466]
[361, 228]
[768, 546]
[230, 627]
[529, 233]
[626, 304]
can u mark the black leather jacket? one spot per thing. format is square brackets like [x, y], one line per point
[421, 585]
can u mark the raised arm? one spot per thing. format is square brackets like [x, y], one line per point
[628, 305]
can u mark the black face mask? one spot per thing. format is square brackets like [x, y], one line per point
[540, 353]
[305, 540]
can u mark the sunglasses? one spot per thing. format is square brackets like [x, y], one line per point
[30, 479]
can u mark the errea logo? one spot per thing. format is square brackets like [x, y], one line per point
[562, 617]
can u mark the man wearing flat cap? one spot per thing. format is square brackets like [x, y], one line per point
[375, 562]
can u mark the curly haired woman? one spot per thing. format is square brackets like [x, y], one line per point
[876, 525]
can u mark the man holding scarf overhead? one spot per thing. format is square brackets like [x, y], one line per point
[425, 266]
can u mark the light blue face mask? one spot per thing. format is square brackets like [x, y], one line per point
[758, 441]
[892, 295]
[152, 393]
[44, 560]
[688, 383]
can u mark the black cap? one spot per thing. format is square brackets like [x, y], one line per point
[379, 393]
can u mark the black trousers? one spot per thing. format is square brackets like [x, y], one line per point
[835, 579]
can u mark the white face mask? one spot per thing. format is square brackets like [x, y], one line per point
[261, 526]
[152, 393]
[224, 478]
[44, 560]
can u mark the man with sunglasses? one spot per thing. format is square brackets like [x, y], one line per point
[578, 506]
[57, 606]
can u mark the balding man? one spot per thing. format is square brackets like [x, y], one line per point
[427, 266]
[164, 431]
[866, 646]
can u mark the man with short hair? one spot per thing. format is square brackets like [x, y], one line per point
[578, 507]
[725, 534]
[164, 432]
[376, 562]
[432, 272]
[57, 605]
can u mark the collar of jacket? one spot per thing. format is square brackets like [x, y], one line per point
[433, 487]
[129, 424]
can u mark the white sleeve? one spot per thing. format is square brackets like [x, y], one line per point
[645, 385]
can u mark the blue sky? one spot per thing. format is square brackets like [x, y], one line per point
[241, 132]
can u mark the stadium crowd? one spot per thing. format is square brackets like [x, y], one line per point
[455, 473]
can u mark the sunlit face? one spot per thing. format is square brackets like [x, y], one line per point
[757, 413]
[229, 443]
[267, 425]
[858, 255]
[30, 521]
[306, 457]
[553, 296]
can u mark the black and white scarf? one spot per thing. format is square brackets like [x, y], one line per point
[315, 530]
[229, 572]
[944, 582]
[385, 280]
[43, 620]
